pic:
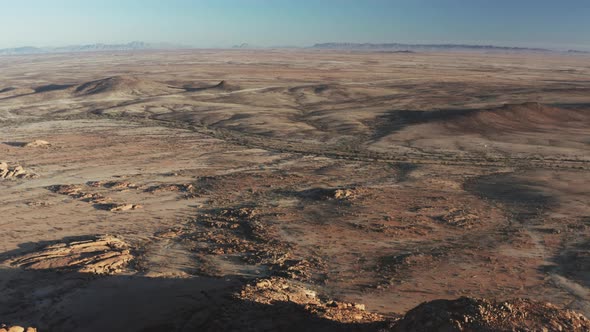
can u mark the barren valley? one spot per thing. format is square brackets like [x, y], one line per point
[291, 190]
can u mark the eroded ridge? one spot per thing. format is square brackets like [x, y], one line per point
[102, 255]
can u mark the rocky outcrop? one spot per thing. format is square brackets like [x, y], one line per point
[14, 172]
[104, 254]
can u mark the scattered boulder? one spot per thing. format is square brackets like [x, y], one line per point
[14, 172]
[39, 203]
[339, 194]
[117, 207]
[274, 291]
[239, 214]
[117, 185]
[460, 218]
[189, 190]
[343, 194]
[100, 201]
[66, 189]
[104, 254]
[92, 198]
[296, 269]
[37, 144]
[16, 328]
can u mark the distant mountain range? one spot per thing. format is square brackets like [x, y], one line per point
[136, 45]
[424, 47]
[386, 47]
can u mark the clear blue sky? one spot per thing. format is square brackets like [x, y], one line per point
[222, 23]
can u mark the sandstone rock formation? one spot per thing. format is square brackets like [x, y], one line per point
[104, 254]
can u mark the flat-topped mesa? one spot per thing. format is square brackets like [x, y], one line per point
[124, 85]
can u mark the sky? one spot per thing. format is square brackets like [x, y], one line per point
[560, 24]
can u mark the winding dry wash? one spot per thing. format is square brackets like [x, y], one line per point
[295, 190]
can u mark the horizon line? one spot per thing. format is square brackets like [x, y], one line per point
[180, 46]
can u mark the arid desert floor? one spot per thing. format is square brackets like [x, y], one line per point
[294, 190]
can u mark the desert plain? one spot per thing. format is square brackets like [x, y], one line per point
[256, 190]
